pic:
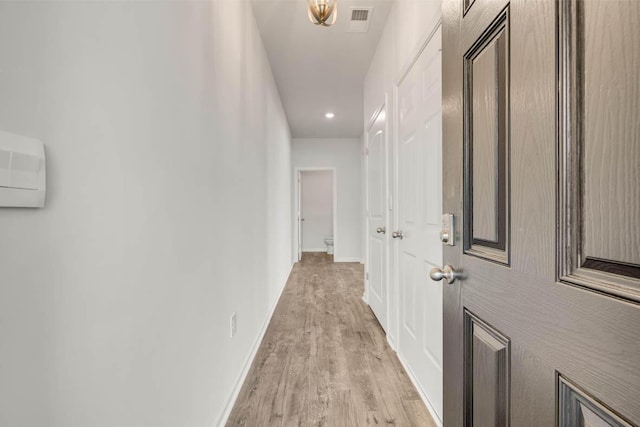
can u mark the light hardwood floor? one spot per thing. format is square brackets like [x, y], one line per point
[324, 360]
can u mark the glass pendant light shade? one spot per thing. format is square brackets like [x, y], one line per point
[322, 12]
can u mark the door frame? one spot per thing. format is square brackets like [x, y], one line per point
[297, 238]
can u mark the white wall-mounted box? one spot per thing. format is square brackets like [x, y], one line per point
[22, 171]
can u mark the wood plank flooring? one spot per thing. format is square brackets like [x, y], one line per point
[324, 360]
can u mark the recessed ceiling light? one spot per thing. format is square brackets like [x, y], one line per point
[329, 115]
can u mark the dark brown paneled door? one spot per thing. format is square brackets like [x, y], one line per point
[541, 166]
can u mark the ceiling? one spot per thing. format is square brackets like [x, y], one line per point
[319, 69]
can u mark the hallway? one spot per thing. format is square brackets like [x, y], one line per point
[481, 224]
[324, 359]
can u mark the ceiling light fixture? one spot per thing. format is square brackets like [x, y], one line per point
[329, 115]
[322, 12]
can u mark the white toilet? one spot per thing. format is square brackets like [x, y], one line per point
[329, 242]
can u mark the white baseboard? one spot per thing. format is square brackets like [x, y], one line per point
[423, 396]
[392, 343]
[346, 259]
[249, 361]
[315, 249]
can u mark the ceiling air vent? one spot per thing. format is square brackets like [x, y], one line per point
[359, 14]
[360, 18]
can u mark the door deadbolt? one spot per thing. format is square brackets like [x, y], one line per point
[447, 233]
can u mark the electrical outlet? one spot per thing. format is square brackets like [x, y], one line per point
[232, 324]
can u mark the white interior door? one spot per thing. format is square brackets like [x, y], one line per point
[378, 214]
[419, 217]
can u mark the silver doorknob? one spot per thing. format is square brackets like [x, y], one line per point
[397, 234]
[447, 273]
[381, 230]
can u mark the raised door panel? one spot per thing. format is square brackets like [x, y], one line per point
[484, 153]
[408, 266]
[408, 170]
[376, 171]
[432, 207]
[487, 382]
[486, 97]
[433, 170]
[376, 256]
[578, 409]
[611, 147]
[600, 240]
[430, 297]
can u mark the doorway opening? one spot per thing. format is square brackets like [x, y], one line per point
[316, 211]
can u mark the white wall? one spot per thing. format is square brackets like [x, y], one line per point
[344, 155]
[408, 25]
[317, 209]
[169, 189]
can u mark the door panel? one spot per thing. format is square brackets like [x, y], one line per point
[409, 292]
[486, 80]
[408, 157]
[607, 234]
[484, 106]
[376, 287]
[487, 355]
[602, 164]
[378, 214]
[542, 329]
[579, 409]
[432, 179]
[433, 168]
[419, 209]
